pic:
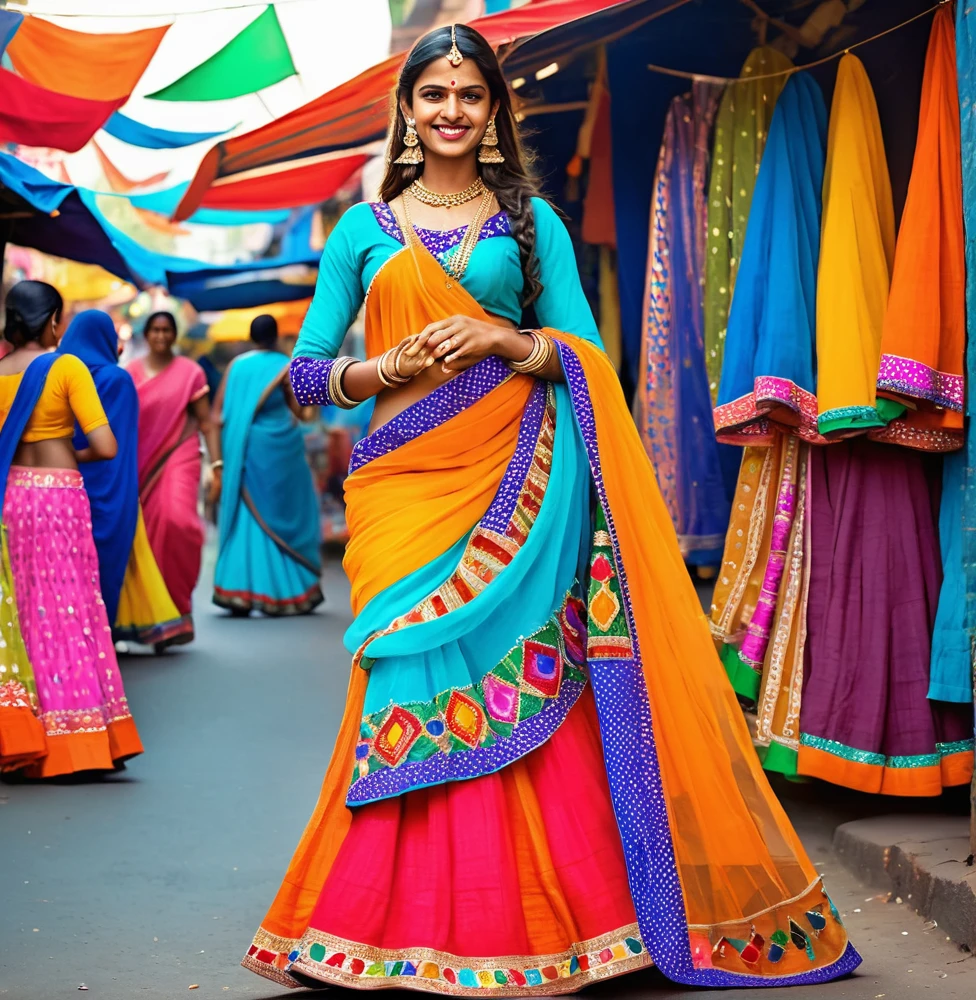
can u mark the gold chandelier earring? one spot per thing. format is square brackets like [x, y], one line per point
[488, 151]
[413, 152]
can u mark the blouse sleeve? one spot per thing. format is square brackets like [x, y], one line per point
[562, 304]
[338, 290]
[82, 394]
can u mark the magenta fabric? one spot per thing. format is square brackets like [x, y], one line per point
[169, 472]
[439, 865]
[875, 573]
[62, 615]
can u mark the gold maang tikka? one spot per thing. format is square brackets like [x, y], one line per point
[454, 57]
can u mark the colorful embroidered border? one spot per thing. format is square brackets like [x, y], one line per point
[14, 694]
[513, 510]
[747, 420]
[901, 761]
[932, 439]
[466, 732]
[436, 408]
[177, 632]
[636, 790]
[331, 959]
[851, 419]
[912, 378]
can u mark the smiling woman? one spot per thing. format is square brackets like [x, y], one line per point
[542, 777]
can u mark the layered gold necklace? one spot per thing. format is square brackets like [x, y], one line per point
[425, 196]
[458, 262]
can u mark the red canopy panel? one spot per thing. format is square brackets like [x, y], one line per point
[357, 111]
[33, 116]
[285, 185]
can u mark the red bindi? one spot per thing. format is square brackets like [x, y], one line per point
[453, 83]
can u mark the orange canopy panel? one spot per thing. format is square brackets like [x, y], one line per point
[356, 112]
[78, 64]
[285, 185]
[34, 116]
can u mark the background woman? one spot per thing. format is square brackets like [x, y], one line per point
[173, 412]
[270, 533]
[542, 777]
[55, 565]
[125, 560]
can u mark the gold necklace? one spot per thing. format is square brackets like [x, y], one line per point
[425, 196]
[458, 263]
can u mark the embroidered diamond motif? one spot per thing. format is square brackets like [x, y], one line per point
[501, 699]
[397, 735]
[604, 608]
[542, 667]
[574, 630]
[465, 719]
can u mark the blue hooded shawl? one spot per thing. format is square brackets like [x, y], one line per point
[113, 485]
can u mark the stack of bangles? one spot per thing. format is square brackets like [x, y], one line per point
[539, 357]
[387, 370]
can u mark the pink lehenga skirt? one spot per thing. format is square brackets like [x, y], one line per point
[82, 704]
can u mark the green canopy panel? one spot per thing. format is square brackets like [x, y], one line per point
[256, 58]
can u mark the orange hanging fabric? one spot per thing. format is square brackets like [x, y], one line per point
[925, 325]
[79, 64]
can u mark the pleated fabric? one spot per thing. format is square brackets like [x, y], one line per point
[856, 254]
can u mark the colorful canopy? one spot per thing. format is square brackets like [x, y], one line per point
[256, 58]
[349, 116]
[103, 67]
[137, 134]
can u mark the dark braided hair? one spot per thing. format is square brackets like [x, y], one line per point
[29, 306]
[511, 182]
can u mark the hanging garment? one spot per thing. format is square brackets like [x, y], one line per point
[769, 372]
[764, 510]
[951, 676]
[924, 333]
[966, 69]
[673, 403]
[740, 135]
[856, 251]
[866, 721]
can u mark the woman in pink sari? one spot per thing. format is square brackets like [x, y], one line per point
[173, 412]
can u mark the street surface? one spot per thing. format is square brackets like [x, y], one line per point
[153, 880]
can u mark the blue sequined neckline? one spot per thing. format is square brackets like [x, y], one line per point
[439, 241]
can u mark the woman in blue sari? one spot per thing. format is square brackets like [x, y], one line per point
[113, 486]
[269, 525]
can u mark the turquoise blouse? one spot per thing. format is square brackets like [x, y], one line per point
[359, 245]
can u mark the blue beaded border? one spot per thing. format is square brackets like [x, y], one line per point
[627, 729]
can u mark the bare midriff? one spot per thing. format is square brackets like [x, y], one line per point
[54, 453]
[392, 402]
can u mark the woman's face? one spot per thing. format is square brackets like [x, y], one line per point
[160, 335]
[452, 107]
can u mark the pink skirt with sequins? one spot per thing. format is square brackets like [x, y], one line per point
[83, 708]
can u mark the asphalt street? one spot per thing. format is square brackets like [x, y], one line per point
[151, 882]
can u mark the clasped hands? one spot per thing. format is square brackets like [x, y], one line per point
[457, 343]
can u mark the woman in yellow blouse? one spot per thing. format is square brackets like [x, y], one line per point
[64, 667]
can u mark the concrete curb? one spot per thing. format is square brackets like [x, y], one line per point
[921, 859]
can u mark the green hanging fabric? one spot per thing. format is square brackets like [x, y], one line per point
[740, 136]
[250, 61]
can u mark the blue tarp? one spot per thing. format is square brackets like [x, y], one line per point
[137, 134]
[286, 277]
[10, 21]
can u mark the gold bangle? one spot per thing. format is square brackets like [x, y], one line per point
[386, 369]
[539, 356]
[334, 388]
